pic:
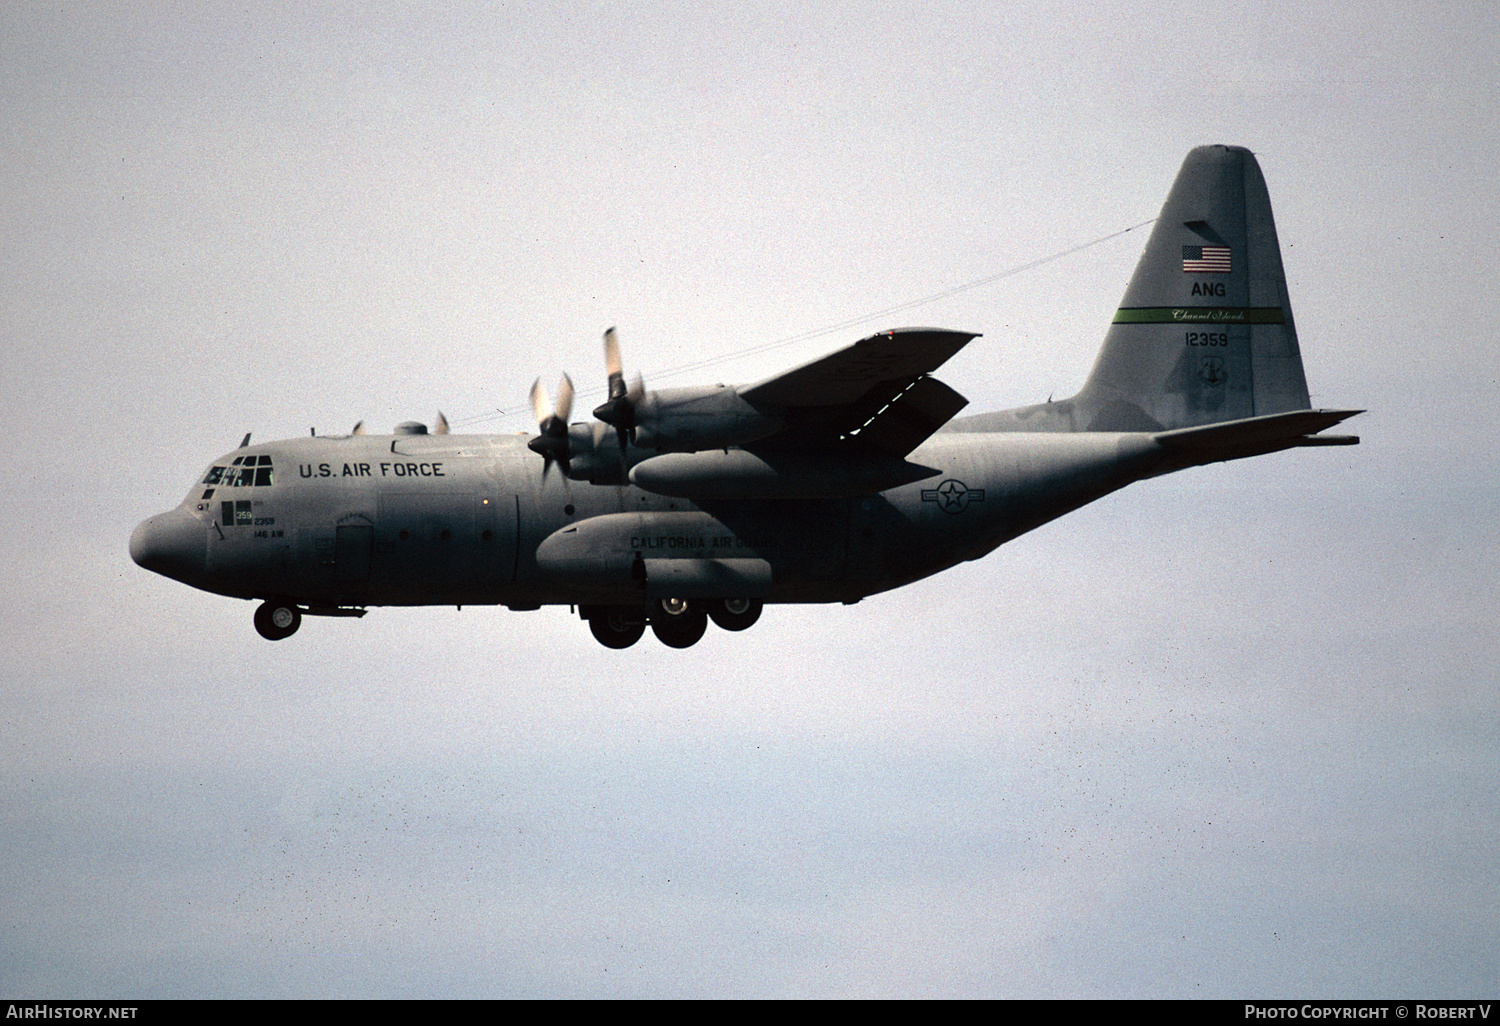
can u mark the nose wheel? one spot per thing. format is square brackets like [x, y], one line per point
[276, 620]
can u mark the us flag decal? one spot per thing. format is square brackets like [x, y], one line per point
[1205, 259]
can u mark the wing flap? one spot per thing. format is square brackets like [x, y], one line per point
[875, 393]
[909, 419]
[842, 378]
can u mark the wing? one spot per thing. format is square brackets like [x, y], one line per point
[876, 391]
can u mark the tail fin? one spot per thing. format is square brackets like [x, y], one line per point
[1205, 332]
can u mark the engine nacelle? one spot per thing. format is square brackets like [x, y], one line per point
[736, 474]
[693, 419]
[594, 455]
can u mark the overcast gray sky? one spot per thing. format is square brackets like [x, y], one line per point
[1229, 733]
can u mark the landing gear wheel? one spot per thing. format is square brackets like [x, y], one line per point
[616, 627]
[276, 620]
[735, 614]
[677, 622]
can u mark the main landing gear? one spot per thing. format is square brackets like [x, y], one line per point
[677, 623]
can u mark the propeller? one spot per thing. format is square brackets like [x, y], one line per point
[619, 410]
[551, 443]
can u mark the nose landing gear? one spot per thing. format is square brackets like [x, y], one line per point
[277, 619]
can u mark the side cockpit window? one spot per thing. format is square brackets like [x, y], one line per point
[244, 472]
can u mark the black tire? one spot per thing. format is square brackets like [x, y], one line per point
[615, 627]
[678, 628]
[735, 614]
[276, 620]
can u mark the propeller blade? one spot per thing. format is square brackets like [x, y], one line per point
[565, 400]
[441, 427]
[359, 428]
[539, 404]
[612, 364]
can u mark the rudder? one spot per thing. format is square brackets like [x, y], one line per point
[1205, 331]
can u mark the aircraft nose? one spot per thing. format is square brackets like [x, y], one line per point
[172, 544]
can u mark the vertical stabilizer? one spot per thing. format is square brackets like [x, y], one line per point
[1205, 332]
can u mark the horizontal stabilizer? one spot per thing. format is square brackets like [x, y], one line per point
[1255, 436]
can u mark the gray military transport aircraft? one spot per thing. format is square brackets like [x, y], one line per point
[840, 479]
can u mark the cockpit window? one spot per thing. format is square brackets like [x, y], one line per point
[244, 472]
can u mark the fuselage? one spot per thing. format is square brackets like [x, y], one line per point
[842, 477]
[416, 519]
